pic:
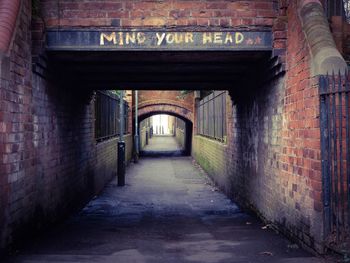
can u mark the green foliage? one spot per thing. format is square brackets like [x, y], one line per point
[116, 92]
[184, 93]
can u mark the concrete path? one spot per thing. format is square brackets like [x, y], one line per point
[167, 213]
[162, 144]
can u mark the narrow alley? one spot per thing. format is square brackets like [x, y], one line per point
[164, 144]
[169, 211]
[174, 131]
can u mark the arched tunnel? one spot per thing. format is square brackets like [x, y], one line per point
[233, 94]
[174, 133]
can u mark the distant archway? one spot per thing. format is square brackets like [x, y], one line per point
[179, 111]
[183, 114]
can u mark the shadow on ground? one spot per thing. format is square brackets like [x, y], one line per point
[169, 212]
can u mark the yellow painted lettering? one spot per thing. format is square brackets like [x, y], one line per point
[110, 38]
[170, 38]
[160, 38]
[189, 38]
[141, 38]
[130, 38]
[207, 38]
[121, 39]
[218, 37]
[239, 37]
[228, 38]
[179, 38]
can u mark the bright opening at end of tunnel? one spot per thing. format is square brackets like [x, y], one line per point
[162, 135]
[163, 124]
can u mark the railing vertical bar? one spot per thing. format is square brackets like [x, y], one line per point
[335, 154]
[329, 157]
[325, 153]
[347, 143]
[340, 8]
[222, 116]
[211, 116]
[337, 8]
[341, 175]
[106, 115]
[103, 117]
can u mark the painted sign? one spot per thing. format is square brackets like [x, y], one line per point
[158, 40]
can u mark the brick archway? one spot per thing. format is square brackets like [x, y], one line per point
[181, 112]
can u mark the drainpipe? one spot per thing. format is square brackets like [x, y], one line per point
[121, 143]
[136, 138]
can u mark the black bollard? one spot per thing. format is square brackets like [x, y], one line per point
[121, 163]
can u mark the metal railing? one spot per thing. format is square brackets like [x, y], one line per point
[107, 115]
[337, 8]
[211, 116]
[335, 154]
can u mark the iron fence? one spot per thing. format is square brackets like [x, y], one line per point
[211, 116]
[107, 115]
[335, 154]
[337, 8]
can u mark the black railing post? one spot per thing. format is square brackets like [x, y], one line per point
[347, 130]
[121, 143]
[121, 163]
[136, 137]
[324, 126]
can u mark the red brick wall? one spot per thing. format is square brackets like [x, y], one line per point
[282, 151]
[159, 13]
[49, 157]
[218, 159]
[50, 163]
[300, 158]
[148, 97]
[273, 150]
[167, 101]
[16, 125]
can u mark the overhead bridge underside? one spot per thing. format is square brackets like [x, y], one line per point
[158, 70]
[154, 60]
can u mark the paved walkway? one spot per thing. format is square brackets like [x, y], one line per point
[162, 144]
[167, 213]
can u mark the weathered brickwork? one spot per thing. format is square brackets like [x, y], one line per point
[180, 137]
[143, 137]
[50, 163]
[168, 13]
[273, 151]
[167, 102]
[217, 158]
[16, 125]
[300, 157]
[213, 157]
[281, 145]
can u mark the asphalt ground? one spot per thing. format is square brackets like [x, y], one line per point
[168, 212]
